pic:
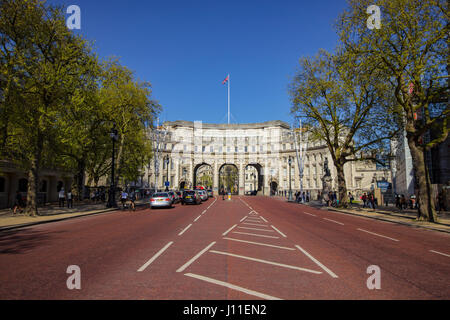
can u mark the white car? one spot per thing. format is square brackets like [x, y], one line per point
[203, 195]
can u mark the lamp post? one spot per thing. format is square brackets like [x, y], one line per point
[167, 165]
[290, 180]
[112, 189]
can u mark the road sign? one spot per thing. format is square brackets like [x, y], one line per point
[383, 184]
[167, 184]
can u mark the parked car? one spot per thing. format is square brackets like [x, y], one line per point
[191, 196]
[161, 199]
[174, 196]
[203, 195]
[210, 193]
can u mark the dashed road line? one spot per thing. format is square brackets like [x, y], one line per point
[310, 214]
[185, 229]
[195, 220]
[334, 221]
[263, 219]
[279, 232]
[379, 235]
[317, 262]
[187, 264]
[447, 255]
[155, 257]
[266, 262]
[256, 235]
[259, 243]
[232, 286]
[243, 218]
[226, 232]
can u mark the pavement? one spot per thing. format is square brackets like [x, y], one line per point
[52, 213]
[248, 248]
[388, 213]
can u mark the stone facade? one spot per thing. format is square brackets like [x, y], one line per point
[265, 147]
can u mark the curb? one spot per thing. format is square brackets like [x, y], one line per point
[383, 219]
[23, 225]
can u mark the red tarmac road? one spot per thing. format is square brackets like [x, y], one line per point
[246, 248]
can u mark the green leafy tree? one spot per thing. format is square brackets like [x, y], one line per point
[410, 50]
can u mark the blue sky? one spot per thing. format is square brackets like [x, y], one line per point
[185, 49]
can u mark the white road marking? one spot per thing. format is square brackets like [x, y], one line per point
[279, 232]
[243, 218]
[263, 219]
[256, 235]
[225, 233]
[266, 261]
[187, 264]
[334, 221]
[197, 218]
[310, 214]
[259, 243]
[254, 224]
[204, 211]
[254, 220]
[440, 253]
[185, 229]
[154, 257]
[379, 235]
[256, 229]
[232, 286]
[317, 262]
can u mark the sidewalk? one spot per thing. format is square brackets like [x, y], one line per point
[390, 213]
[53, 212]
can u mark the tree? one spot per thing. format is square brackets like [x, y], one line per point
[411, 52]
[42, 66]
[343, 105]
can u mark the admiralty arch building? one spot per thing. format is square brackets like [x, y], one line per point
[258, 157]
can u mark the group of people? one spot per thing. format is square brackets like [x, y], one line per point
[369, 201]
[131, 197]
[332, 199]
[302, 196]
[62, 196]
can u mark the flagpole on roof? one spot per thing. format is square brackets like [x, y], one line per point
[228, 99]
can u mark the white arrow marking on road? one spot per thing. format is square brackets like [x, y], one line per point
[317, 262]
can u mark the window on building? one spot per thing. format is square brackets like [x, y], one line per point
[2, 184]
[203, 149]
[245, 149]
[211, 149]
[235, 149]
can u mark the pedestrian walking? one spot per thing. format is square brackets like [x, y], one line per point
[69, 199]
[364, 199]
[62, 197]
[18, 203]
[132, 200]
[123, 198]
[372, 201]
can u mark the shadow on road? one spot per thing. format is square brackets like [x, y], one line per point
[21, 241]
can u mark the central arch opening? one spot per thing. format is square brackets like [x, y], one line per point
[229, 179]
[252, 178]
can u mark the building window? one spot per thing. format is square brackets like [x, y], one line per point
[235, 149]
[2, 184]
[211, 149]
[246, 149]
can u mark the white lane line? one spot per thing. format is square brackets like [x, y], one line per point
[205, 211]
[310, 214]
[279, 232]
[379, 235]
[256, 235]
[266, 261]
[187, 264]
[154, 257]
[254, 224]
[259, 243]
[185, 229]
[254, 220]
[256, 229]
[243, 218]
[197, 218]
[225, 233]
[264, 219]
[317, 262]
[334, 221]
[232, 286]
[447, 255]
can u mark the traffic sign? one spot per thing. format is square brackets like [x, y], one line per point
[167, 184]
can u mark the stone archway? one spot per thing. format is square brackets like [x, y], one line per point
[254, 178]
[229, 178]
[203, 175]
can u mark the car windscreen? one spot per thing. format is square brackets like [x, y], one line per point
[160, 195]
[189, 193]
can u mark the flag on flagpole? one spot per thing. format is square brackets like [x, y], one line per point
[226, 79]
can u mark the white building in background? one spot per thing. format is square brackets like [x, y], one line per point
[263, 149]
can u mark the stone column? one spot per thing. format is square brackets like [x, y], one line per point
[215, 177]
[241, 179]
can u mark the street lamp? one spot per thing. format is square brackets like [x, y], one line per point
[290, 180]
[167, 165]
[112, 189]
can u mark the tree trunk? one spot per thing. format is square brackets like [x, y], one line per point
[33, 179]
[80, 176]
[425, 200]
[342, 187]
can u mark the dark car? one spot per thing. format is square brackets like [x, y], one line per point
[191, 196]
[210, 193]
